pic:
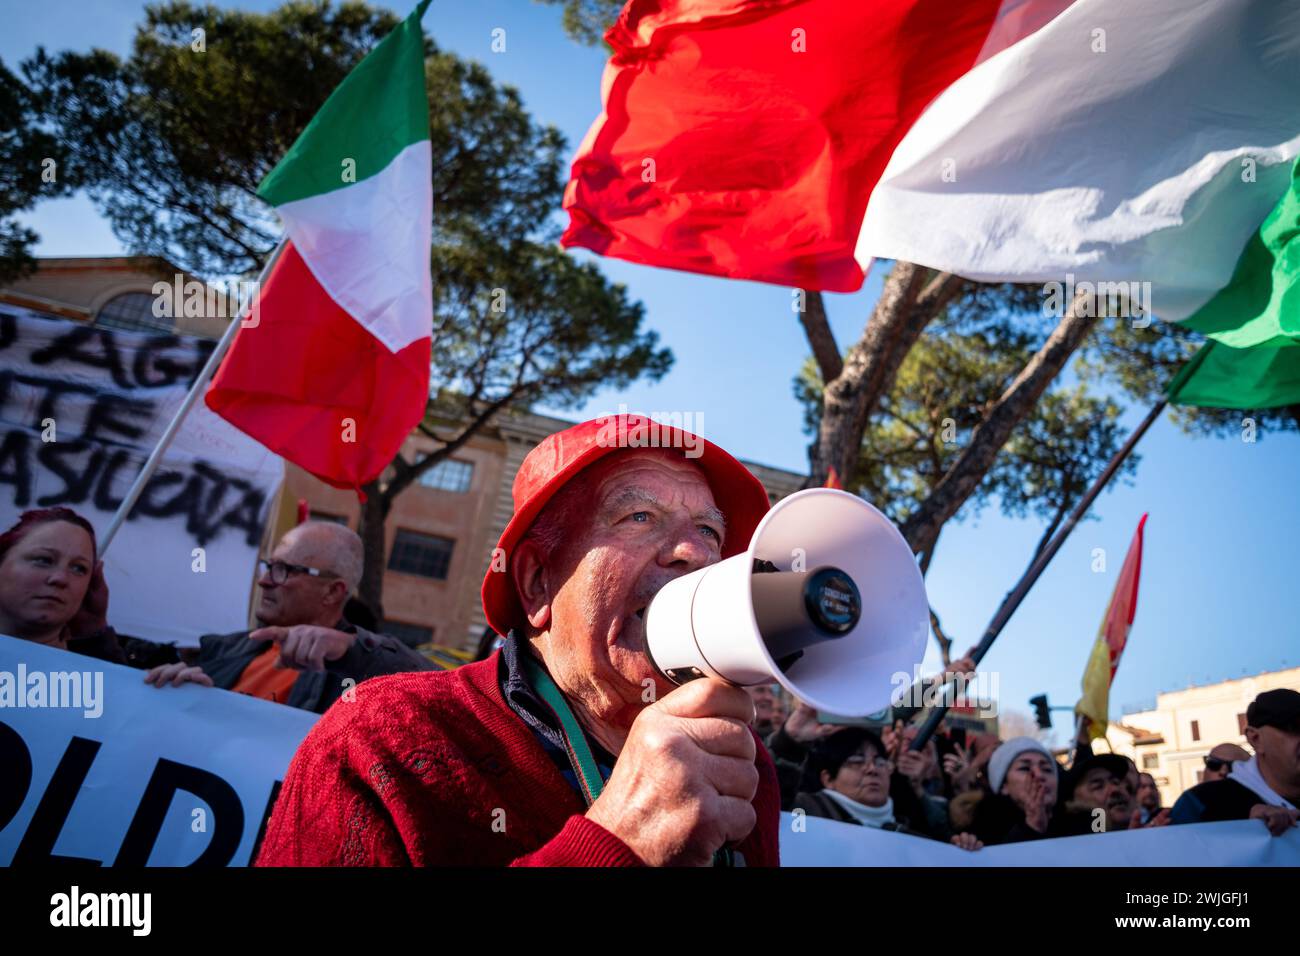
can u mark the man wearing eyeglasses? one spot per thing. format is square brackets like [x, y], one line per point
[305, 654]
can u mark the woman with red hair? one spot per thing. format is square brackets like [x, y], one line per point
[52, 588]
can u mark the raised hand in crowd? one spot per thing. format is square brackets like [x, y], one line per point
[963, 766]
[1037, 803]
[892, 737]
[915, 766]
[1158, 820]
[962, 665]
[802, 725]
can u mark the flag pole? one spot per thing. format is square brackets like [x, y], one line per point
[1013, 599]
[1078, 731]
[200, 383]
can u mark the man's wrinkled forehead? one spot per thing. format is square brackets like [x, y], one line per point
[659, 477]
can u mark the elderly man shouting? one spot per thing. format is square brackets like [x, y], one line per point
[566, 747]
[304, 654]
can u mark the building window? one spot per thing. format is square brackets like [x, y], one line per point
[1241, 724]
[412, 635]
[133, 312]
[1196, 730]
[424, 554]
[1150, 761]
[449, 475]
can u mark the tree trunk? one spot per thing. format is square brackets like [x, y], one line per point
[373, 514]
[400, 475]
[817, 328]
[911, 298]
[921, 529]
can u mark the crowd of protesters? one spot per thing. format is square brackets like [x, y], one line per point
[974, 790]
[967, 789]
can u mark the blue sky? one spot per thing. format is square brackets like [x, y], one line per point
[1222, 536]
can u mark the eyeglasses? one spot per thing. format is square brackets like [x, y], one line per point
[279, 571]
[860, 763]
[1215, 764]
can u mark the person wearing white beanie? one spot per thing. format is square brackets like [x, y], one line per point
[1024, 780]
[1008, 751]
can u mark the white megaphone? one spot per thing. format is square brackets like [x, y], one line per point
[827, 600]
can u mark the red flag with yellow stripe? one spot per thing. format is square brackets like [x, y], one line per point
[1094, 705]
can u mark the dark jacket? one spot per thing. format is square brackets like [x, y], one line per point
[998, 820]
[1214, 801]
[818, 804]
[223, 657]
[102, 645]
[911, 816]
[790, 758]
[107, 645]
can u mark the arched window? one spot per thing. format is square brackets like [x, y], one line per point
[133, 312]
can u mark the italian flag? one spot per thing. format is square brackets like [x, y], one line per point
[1148, 145]
[794, 141]
[1122, 142]
[743, 138]
[332, 370]
[1094, 705]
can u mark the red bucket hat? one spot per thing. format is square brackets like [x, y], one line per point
[553, 463]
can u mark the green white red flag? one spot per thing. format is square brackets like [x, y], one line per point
[793, 141]
[335, 373]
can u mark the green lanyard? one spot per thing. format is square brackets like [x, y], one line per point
[575, 741]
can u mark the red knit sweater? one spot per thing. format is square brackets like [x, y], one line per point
[436, 769]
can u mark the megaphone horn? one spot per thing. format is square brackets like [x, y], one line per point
[827, 600]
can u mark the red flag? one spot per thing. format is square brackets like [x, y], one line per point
[1111, 640]
[742, 138]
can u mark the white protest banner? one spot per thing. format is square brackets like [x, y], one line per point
[99, 766]
[812, 841]
[81, 407]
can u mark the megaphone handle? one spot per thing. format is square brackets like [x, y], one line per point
[680, 675]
